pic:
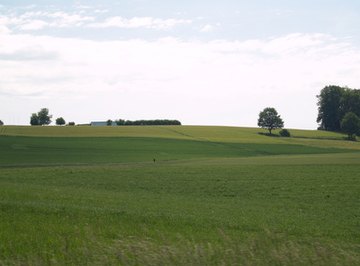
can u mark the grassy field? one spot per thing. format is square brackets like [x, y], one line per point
[215, 196]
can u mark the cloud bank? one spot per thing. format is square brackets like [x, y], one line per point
[39, 20]
[198, 82]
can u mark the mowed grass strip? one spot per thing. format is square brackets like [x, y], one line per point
[182, 213]
[17, 151]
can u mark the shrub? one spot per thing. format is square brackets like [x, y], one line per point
[71, 124]
[284, 133]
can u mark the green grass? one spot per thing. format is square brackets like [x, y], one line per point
[212, 198]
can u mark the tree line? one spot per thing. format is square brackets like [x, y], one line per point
[156, 122]
[44, 118]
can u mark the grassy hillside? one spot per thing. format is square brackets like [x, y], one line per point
[215, 133]
[215, 196]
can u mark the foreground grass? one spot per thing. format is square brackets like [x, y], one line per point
[182, 213]
[270, 201]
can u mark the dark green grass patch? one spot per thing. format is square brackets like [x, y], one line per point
[44, 150]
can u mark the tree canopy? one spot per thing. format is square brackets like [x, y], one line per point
[334, 102]
[60, 121]
[1, 123]
[270, 119]
[41, 118]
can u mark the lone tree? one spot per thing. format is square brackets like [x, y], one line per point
[270, 119]
[60, 121]
[1, 123]
[41, 118]
[350, 124]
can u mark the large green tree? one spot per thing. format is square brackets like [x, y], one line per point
[270, 119]
[329, 115]
[41, 118]
[44, 117]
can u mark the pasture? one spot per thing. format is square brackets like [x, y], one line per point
[214, 196]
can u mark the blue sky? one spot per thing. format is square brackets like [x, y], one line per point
[202, 62]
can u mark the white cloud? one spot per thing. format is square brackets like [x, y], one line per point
[4, 29]
[35, 24]
[207, 28]
[217, 82]
[63, 19]
[140, 22]
[38, 20]
[101, 11]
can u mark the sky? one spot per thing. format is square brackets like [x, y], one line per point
[201, 62]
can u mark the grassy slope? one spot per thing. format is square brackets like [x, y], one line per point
[230, 134]
[199, 133]
[240, 198]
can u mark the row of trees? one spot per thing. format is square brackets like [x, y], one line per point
[339, 110]
[44, 118]
[156, 122]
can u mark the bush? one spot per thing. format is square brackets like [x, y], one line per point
[284, 133]
[71, 124]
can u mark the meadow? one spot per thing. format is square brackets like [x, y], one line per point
[214, 196]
